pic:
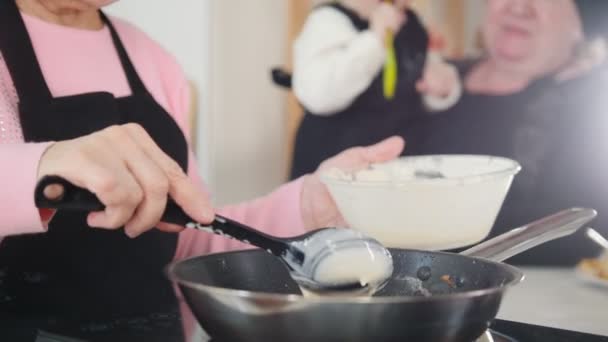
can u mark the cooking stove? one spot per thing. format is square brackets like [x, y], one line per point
[520, 332]
[492, 336]
[165, 328]
[489, 336]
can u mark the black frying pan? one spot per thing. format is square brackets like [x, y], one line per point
[432, 296]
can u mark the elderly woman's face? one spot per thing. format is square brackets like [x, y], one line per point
[535, 37]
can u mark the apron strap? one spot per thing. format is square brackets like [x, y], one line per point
[136, 84]
[18, 53]
[20, 57]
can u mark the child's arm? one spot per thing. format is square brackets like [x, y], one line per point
[333, 62]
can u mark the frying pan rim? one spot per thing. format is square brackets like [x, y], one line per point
[518, 277]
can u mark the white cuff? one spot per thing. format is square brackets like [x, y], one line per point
[439, 103]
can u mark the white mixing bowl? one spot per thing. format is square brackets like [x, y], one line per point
[403, 205]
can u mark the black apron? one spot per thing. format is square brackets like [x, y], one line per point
[371, 117]
[74, 273]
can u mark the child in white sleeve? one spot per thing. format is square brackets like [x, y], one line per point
[339, 59]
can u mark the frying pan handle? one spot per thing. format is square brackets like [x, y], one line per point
[521, 239]
[596, 237]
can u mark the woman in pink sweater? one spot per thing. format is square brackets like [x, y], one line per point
[96, 101]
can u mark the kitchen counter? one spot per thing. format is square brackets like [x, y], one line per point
[557, 297]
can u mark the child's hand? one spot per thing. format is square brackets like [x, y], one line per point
[439, 79]
[386, 17]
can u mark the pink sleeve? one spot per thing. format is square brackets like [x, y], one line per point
[19, 214]
[277, 214]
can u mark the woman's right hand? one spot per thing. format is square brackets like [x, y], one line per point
[129, 174]
[386, 17]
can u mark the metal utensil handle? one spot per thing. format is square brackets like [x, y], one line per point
[75, 198]
[521, 239]
[238, 231]
[597, 238]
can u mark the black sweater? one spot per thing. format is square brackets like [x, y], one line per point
[556, 131]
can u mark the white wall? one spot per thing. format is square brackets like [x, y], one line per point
[248, 111]
[475, 10]
[227, 48]
[184, 30]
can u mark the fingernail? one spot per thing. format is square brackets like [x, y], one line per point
[130, 233]
[209, 216]
[92, 219]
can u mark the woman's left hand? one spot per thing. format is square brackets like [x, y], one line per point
[439, 78]
[318, 207]
[440, 85]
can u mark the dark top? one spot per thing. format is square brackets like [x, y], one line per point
[371, 117]
[555, 131]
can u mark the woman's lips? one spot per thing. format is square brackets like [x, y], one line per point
[516, 31]
[515, 42]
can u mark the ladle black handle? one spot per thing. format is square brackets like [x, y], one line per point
[75, 198]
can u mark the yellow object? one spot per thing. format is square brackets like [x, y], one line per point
[390, 68]
[389, 74]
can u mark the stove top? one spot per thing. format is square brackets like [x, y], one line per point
[522, 332]
[490, 336]
[493, 336]
[508, 331]
[163, 328]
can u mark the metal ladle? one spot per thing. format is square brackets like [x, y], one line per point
[303, 255]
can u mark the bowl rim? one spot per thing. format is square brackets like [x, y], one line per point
[513, 168]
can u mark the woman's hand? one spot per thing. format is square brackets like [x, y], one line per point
[318, 207]
[130, 175]
[439, 78]
[440, 85]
